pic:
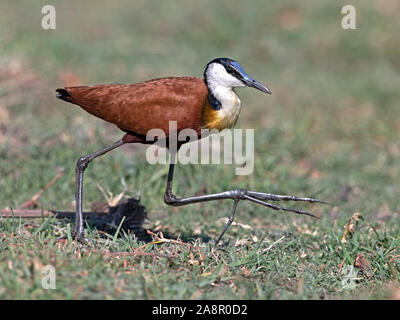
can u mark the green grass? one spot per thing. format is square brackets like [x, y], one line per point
[330, 130]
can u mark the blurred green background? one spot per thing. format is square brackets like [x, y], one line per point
[330, 129]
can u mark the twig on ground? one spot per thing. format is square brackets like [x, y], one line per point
[38, 213]
[139, 254]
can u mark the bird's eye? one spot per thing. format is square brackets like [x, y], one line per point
[232, 71]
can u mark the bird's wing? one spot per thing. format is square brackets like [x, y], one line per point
[138, 108]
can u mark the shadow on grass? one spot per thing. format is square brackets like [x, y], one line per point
[129, 216]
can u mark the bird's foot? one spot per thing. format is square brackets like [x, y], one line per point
[76, 236]
[241, 194]
[264, 198]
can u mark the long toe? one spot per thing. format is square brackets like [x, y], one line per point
[279, 208]
[278, 197]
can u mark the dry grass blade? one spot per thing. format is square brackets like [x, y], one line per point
[350, 226]
[234, 223]
[272, 245]
[161, 239]
[33, 200]
[112, 200]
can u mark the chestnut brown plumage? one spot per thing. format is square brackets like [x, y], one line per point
[192, 102]
[138, 108]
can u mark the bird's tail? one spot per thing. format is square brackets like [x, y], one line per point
[62, 94]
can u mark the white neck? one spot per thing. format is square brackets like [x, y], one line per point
[220, 84]
[226, 96]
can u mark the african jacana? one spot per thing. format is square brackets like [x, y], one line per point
[192, 102]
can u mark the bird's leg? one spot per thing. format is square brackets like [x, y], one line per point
[81, 165]
[236, 195]
[229, 221]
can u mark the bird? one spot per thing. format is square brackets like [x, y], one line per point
[193, 103]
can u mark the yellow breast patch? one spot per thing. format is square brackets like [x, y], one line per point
[217, 119]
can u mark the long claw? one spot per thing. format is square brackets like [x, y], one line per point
[275, 207]
[275, 197]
